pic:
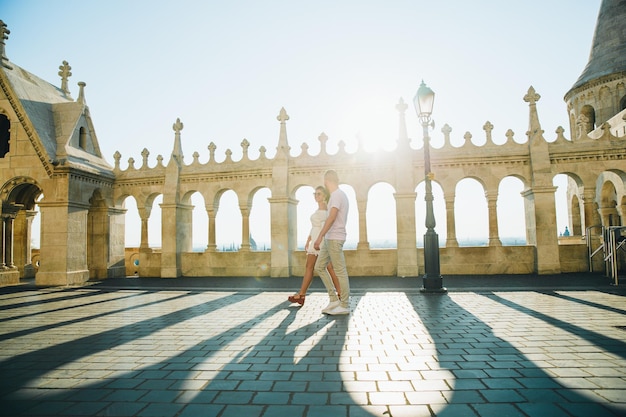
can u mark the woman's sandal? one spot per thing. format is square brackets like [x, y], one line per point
[298, 298]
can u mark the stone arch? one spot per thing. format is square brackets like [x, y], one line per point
[609, 188]
[260, 229]
[19, 196]
[228, 220]
[510, 210]
[472, 226]
[154, 218]
[98, 235]
[380, 216]
[571, 200]
[132, 237]
[196, 225]
[82, 138]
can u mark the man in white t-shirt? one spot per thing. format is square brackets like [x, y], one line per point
[334, 232]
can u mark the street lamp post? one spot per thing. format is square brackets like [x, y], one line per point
[432, 280]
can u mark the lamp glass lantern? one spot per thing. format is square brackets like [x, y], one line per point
[424, 101]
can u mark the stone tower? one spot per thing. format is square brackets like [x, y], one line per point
[599, 94]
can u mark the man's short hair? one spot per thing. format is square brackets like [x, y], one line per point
[332, 176]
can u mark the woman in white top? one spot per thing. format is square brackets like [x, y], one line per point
[317, 221]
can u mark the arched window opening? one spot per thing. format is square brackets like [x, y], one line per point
[471, 213]
[199, 223]
[132, 223]
[154, 224]
[82, 138]
[228, 223]
[511, 213]
[380, 217]
[5, 135]
[622, 103]
[575, 216]
[260, 221]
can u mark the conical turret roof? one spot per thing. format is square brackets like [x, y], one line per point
[608, 49]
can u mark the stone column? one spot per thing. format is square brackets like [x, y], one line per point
[621, 212]
[98, 242]
[406, 235]
[3, 243]
[609, 216]
[170, 251]
[245, 228]
[451, 240]
[362, 209]
[211, 212]
[592, 217]
[63, 243]
[283, 232]
[541, 228]
[9, 243]
[144, 214]
[492, 202]
[22, 237]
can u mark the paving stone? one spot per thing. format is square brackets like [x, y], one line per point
[216, 353]
[283, 411]
[497, 410]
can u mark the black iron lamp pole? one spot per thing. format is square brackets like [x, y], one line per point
[432, 280]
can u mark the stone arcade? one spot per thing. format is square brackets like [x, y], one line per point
[48, 146]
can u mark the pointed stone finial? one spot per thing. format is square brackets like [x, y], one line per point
[81, 92]
[446, 130]
[282, 115]
[534, 127]
[177, 153]
[178, 126]
[531, 96]
[212, 147]
[4, 35]
[145, 154]
[244, 148]
[65, 72]
[403, 135]
[488, 128]
[283, 145]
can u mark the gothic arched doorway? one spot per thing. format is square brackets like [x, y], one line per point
[19, 196]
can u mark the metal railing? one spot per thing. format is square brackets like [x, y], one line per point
[615, 239]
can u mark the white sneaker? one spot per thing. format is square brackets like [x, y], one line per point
[339, 310]
[331, 305]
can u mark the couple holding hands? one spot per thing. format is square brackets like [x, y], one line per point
[324, 247]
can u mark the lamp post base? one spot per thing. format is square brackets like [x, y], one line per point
[433, 285]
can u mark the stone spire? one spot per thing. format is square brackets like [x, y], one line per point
[283, 145]
[608, 49]
[4, 35]
[65, 72]
[177, 153]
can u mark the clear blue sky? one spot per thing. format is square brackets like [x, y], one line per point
[225, 68]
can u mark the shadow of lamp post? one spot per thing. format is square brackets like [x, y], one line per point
[432, 280]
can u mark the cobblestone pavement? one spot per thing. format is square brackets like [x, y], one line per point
[116, 351]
